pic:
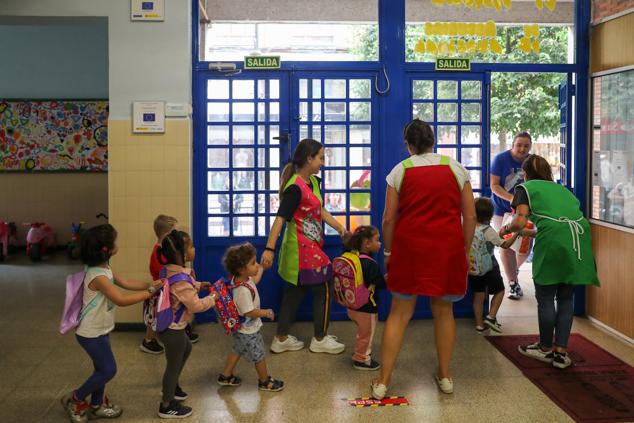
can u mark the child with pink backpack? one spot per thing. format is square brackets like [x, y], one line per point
[357, 278]
[91, 297]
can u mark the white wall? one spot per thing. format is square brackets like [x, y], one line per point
[147, 60]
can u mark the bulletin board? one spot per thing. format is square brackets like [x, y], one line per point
[53, 135]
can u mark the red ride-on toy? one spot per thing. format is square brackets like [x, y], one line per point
[39, 240]
[8, 232]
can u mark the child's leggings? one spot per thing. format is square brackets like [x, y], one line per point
[366, 323]
[291, 300]
[105, 368]
[177, 350]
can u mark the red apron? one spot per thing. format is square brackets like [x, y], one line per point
[428, 255]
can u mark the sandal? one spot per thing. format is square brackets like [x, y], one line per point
[270, 384]
[229, 380]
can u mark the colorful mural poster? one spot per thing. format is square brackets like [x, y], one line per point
[54, 135]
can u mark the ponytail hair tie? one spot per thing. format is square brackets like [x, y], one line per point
[104, 249]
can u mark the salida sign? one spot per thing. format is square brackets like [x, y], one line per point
[262, 62]
[461, 65]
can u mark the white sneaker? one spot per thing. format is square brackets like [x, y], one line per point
[445, 384]
[378, 390]
[289, 344]
[328, 344]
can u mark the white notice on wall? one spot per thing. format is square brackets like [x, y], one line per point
[147, 10]
[148, 117]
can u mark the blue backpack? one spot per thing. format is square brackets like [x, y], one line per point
[164, 316]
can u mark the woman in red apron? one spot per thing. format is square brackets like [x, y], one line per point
[428, 225]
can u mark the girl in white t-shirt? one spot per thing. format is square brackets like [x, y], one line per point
[239, 261]
[100, 297]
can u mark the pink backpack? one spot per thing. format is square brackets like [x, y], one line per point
[73, 313]
[350, 289]
[164, 316]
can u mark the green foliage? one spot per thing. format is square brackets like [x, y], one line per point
[519, 101]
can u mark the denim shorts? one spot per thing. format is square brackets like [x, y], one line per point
[406, 297]
[250, 346]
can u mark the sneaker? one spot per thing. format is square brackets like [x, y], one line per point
[328, 344]
[378, 390]
[561, 360]
[179, 394]
[77, 410]
[271, 385]
[151, 347]
[518, 289]
[229, 380]
[445, 384]
[175, 410]
[105, 411]
[193, 337]
[535, 351]
[481, 329]
[493, 324]
[513, 294]
[289, 344]
[359, 365]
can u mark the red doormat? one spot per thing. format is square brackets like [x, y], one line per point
[597, 388]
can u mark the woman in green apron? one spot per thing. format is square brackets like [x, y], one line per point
[562, 256]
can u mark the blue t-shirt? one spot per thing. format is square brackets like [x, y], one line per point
[510, 172]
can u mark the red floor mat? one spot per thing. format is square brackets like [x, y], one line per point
[597, 388]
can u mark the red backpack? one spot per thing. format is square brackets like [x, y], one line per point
[225, 307]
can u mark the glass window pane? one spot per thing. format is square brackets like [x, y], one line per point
[360, 156]
[447, 112]
[360, 111]
[217, 135]
[359, 88]
[335, 156]
[261, 112]
[360, 178]
[471, 90]
[261, 134]
[451, 152]
[274, 203]
[423, 90]
[316, 111]
[217, 89]
[218, 157]
[316, 88]
[274, 111]
[274, 89]
[335, 179]
[335, 111]
[303, 132]
[243, 180]
[274, 157]
[475, 178]
[446, 134]
[217, 181]
[303, 111]
[242, 157]
[217, 226]
[243, 112]
[470, 157]
[335, 202]
[470, 135]
[356, 221]
[335, 88]
[335, 134]
[303, 88]
[423, 111]
[243, 226]
[243, 203]
[360, 134]
[262, 228]
[218, 203]
[261, 157]
[217, 112]
[261, 89]
[330, 231]
[447, 90]
[243, 89]
[471, 112]
[274, 132]
[243, 134]
[359, 201]
[269, 180]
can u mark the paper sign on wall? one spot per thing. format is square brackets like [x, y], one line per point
[147, 10]
[148, 117]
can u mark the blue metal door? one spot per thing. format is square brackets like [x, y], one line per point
[566, 91]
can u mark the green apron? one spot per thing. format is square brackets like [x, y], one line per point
[563, 246]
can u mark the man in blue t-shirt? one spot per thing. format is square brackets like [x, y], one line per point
[506, 174]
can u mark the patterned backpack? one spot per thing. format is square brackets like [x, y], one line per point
[164, 316]
[225, 307]
[350, 289]
[480, 261]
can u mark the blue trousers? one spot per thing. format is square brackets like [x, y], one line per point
[105, 368]
[551, 319]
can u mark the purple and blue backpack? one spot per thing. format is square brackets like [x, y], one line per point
[164, 316]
